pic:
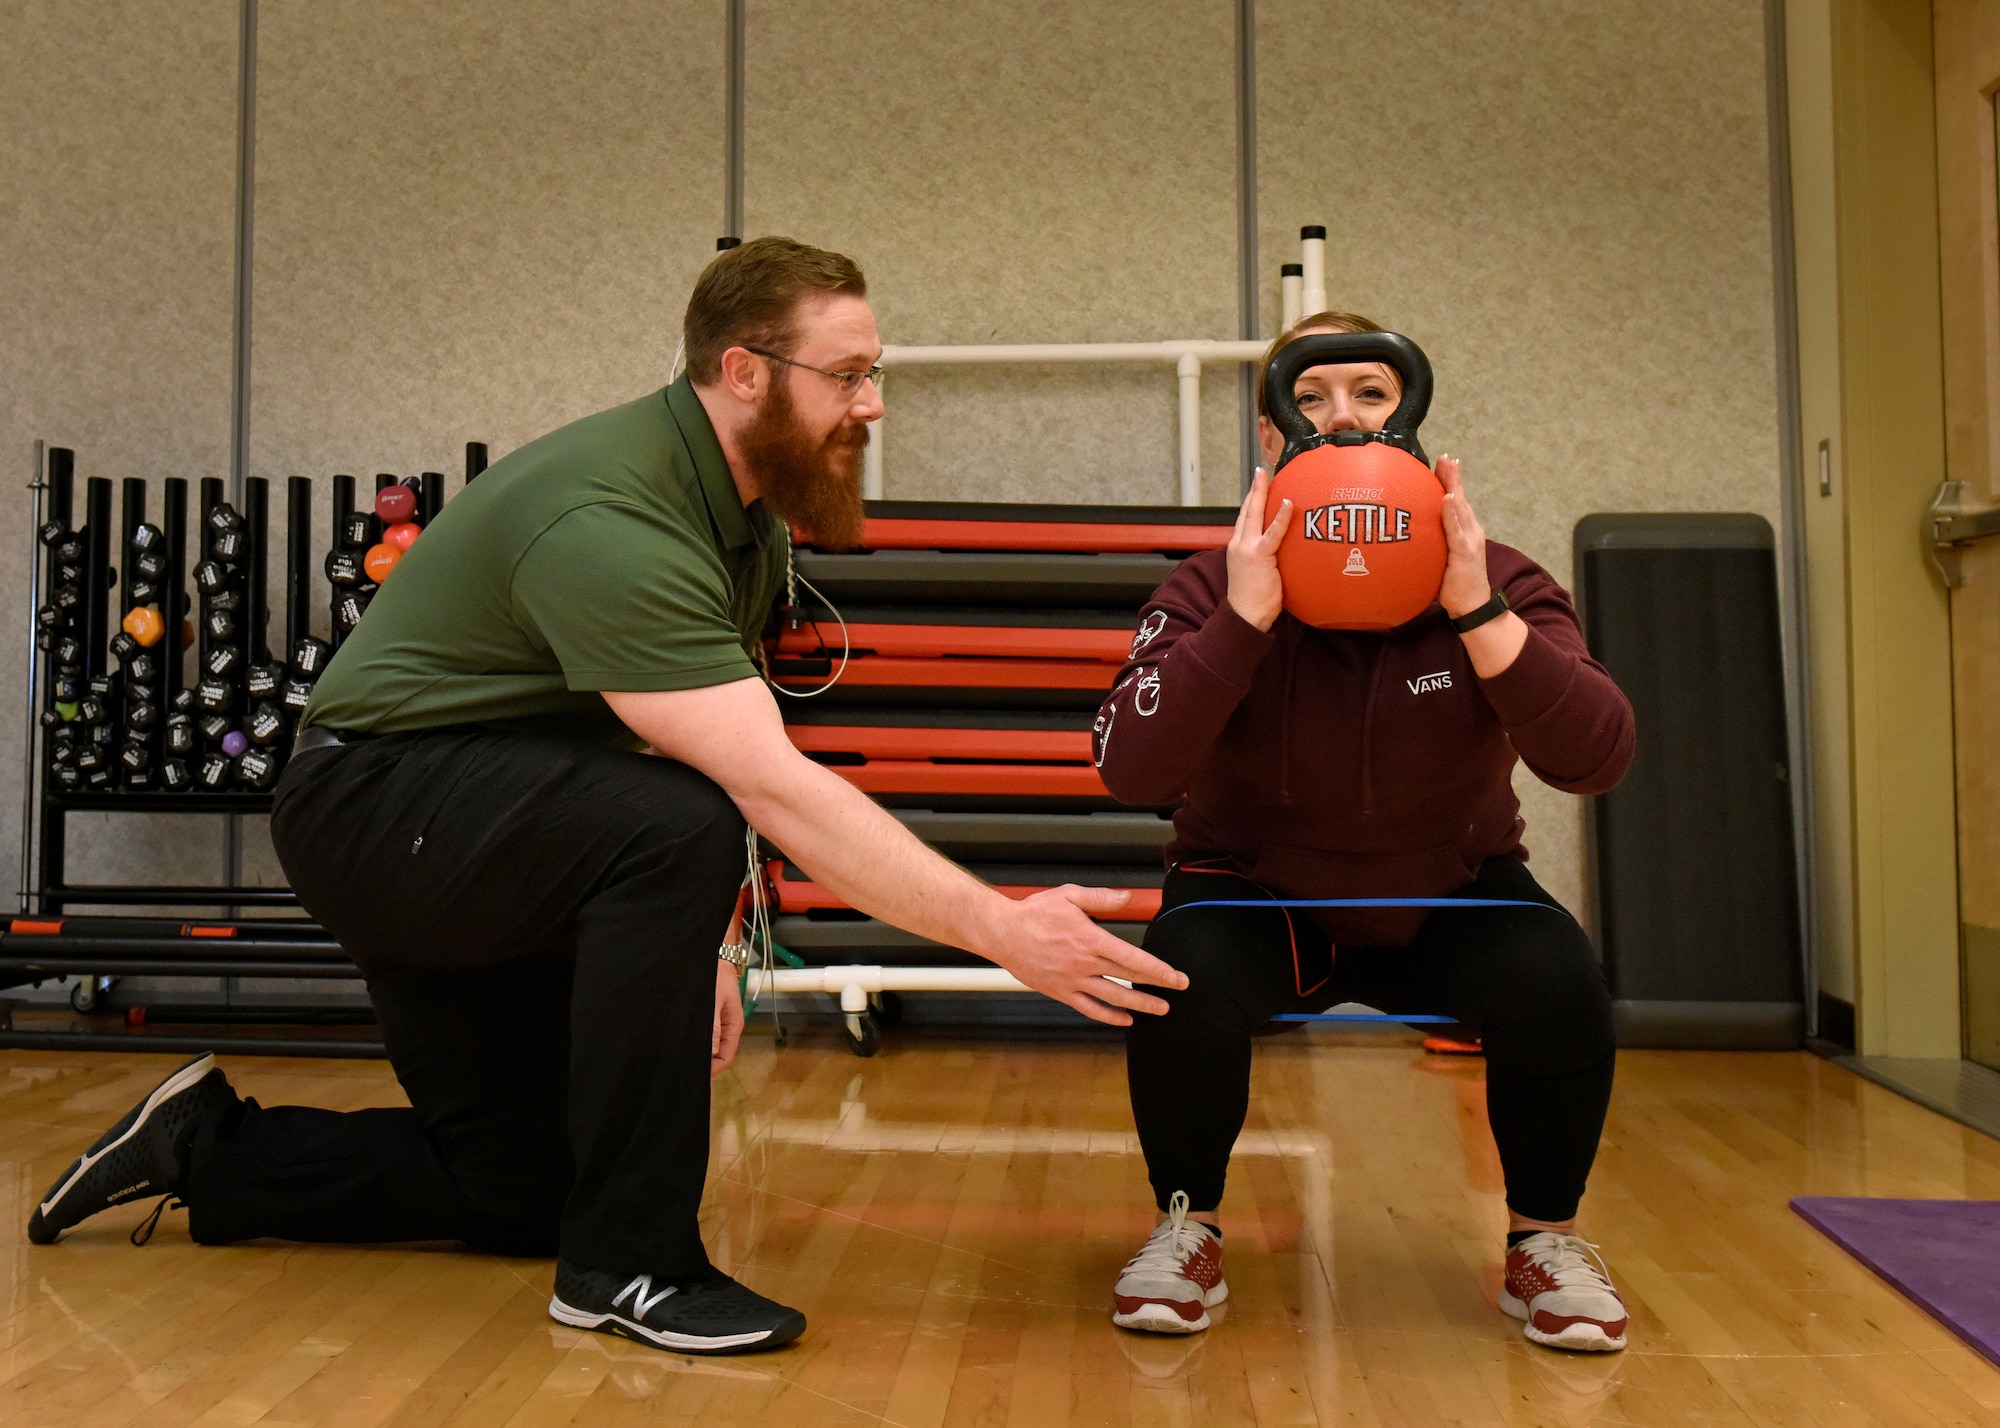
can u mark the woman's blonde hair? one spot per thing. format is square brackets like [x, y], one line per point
[1319, 321]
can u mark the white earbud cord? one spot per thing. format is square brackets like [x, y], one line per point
[792, 581]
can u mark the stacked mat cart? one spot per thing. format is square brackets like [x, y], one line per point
[979, 642]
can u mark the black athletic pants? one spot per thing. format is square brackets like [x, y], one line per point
[1525, 980]
[538, 923]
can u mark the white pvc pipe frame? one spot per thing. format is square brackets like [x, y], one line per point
[856, 983]
[1187, 358]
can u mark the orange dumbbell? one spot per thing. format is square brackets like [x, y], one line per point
[380, 560]
[143, 623]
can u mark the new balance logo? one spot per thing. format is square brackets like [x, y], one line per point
[1425, 683]
[640, 1289]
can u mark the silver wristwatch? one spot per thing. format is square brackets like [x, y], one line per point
[738, 954]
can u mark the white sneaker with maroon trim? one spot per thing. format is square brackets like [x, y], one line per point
[1562, 1288]
[1169, 1286]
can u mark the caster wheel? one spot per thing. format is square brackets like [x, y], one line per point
[88, 995]
[888, 1009]
[864, 1036]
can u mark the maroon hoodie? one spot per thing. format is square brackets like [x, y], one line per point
[1339, 763]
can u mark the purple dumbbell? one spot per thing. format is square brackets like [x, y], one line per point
[235, 742]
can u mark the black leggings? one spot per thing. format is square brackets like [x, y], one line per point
[1526, 981]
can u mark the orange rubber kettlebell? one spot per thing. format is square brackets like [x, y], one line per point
[1365, 550]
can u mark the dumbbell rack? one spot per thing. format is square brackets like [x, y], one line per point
[45, 940]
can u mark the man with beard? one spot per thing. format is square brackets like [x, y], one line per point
[519, 802]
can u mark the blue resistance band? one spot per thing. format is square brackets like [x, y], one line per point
[1364, 902]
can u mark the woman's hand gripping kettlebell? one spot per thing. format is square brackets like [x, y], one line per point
[1493, 646]
[1255, 591]
[1465, 586]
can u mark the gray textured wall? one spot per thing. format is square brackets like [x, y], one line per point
[479, 220]
[117, 215]
[1016, 173]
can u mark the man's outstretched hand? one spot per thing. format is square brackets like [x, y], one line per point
[1049, 942]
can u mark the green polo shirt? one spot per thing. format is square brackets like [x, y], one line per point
[613, 553]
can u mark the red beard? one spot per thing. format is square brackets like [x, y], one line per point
[813, 483]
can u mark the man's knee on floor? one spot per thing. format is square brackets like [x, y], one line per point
[520, 1215]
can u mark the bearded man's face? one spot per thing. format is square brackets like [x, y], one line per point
[809, 478]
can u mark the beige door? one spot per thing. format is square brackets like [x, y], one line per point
[1968, 72]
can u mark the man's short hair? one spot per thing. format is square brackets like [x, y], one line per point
[1318, 322]
[750, 295]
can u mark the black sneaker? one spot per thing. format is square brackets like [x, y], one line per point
[145, 1154]
[706, 1313]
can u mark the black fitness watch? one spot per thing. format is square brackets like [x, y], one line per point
[1472, 619]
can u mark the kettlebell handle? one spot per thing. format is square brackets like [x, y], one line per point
[1324, 349]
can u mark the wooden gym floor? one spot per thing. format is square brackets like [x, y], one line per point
[951, 1217]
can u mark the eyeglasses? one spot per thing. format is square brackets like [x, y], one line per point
[848, 382]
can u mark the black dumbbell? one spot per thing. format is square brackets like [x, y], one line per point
[222, 517]
[142, 716]
[53, 531]
[296, 696]
[89, 757]
[68, 777]
[152, 565]
[90, 709]
[66, 689]
[219, 624]
[348, 610]
[261, 681]
[309, 657]
[224, 600]
[98, 777]
[70, 550]
[222, 661]
[215, 695]
[343, 568]
[69, 650]
[215, 771]
[48, 617]
[144, 592]
[123, 646]
[136, 758]
[357, 532]
[180, 734]
[174, 775]
[258, 768]
[229, 545]
[182, 702]
[147, 538]
[66, 600]
[142, 668]
[211, 577]
[214, 726]
[267, 723]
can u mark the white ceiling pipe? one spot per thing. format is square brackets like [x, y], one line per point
[1189, 370]
[1291, 295]
[1186, 355]
[1312, 260]
[1022, 352]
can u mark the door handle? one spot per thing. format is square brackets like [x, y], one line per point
[1951, 522]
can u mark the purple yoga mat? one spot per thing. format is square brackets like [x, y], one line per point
[1941, 1253]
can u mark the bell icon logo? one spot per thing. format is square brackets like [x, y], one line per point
[1355, 564]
